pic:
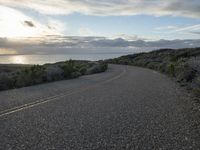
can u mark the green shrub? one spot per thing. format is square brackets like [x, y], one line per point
[186, 74]
[30, 76]
[97, 68]
[163, 67]
[83, 70]
[6, 82]
[104, 66]
[196, 92]
[171, 69]
[75, 74]
[68, 68]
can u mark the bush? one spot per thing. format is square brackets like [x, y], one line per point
[171, 69]
[83, 70]
[31, 75]
[186, 74]
[54, 73]
[97, 68]
[75, 74]
[103, 66]
[196, 92]
[6, 82]
[69, 68]
[163, 68]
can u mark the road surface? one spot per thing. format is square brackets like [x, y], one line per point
[124, 108]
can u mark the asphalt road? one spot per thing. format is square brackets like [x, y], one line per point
[123, 108]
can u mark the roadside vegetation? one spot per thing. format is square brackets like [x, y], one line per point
[16, 76]
[182, 64]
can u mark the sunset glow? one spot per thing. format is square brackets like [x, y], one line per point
[4, 51]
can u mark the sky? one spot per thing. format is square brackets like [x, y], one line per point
[27, 26]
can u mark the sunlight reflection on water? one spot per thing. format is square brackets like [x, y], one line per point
[18, 59]
[42, 59]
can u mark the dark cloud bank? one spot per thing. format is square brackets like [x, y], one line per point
[57, 45]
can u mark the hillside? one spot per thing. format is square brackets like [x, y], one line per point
[181, 64]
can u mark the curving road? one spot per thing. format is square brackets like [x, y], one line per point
[123, 108]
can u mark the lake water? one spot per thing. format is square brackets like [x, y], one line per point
[42, 59]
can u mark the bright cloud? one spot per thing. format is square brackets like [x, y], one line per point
[170, 27]
[7, 51]
[112, 7]
[14, 23]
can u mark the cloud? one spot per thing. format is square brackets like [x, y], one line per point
[29, 23]
[4, 51]
[127, 37]
[56, 26]
[64, 44]
[14, 24]
[112, 7]
[170, 27]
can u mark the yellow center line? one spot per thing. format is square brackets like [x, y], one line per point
[55, 97]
